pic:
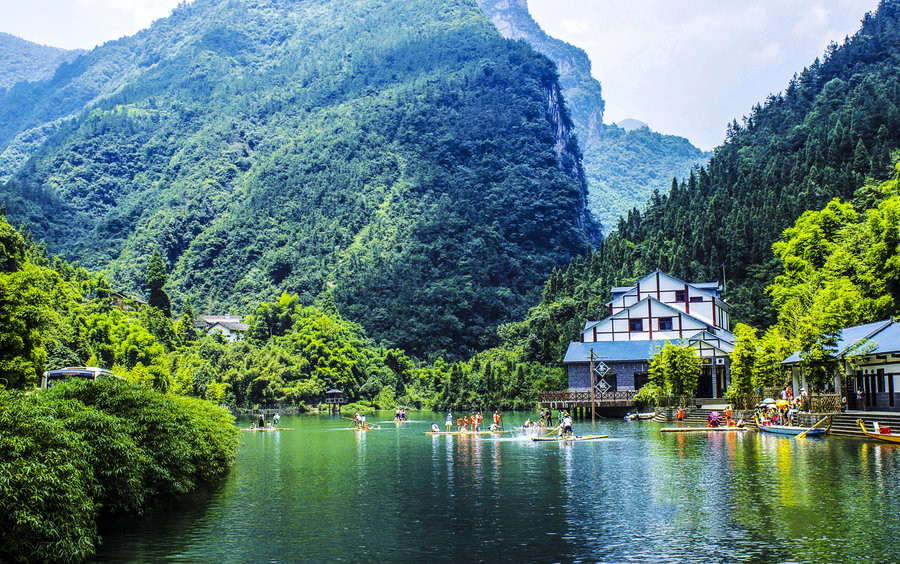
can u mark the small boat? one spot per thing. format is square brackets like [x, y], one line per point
[791, 430]
[466, 432]
[640, 416]
[879, 433]
[267, 429]
[572, 438]
[721, 429]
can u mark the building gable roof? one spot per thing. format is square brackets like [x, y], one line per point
[727, 337]
[231, 326]
[666, 307]
[702, 287]
[884, 334]
[624, 351]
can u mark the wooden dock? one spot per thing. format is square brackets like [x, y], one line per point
[609, 404]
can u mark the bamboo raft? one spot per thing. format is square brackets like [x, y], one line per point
[702, 429]
[466, 432]
[266, 429]
[571, 439]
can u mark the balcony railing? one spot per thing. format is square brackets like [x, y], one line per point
[607, 398]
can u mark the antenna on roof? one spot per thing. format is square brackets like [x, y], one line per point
[723, 279]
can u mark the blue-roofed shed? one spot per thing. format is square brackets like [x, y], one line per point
[870, 375]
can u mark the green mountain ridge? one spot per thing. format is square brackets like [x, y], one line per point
[399, 154]
[23, 60]
[623, 167]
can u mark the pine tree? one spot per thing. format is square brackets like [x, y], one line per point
[156, 278]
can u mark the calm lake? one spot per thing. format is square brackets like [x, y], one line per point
[322, 492]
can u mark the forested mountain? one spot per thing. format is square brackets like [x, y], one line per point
[23, 60]
[400, 153]
[836, 123]
[623, 167]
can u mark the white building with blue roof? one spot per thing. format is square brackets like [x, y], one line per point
[870, 355]
[659, 308]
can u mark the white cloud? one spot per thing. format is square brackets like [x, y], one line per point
[690, 67]
[576, 27]
[767, 54]
[813, 21]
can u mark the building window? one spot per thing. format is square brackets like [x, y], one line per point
[695, 299]
[680, 296]
[635, 325]
[665, 323]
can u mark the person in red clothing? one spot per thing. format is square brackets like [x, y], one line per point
[465, 423]
[458, 424]
[497, 419]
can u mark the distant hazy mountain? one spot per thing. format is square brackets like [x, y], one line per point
[630, 124]
[399, 154]
[23, 60]
[624, 165]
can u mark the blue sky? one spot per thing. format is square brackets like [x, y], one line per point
[686, 67]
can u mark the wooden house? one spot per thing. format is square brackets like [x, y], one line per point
[659, 308]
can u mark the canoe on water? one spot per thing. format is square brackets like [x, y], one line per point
[466, 432]
[790, 430]
[267, 429]
[570, 439]
[886, 437]
[640, 416]
[701, 429]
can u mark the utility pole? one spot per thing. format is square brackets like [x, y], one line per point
[593, 403]
[602, 369]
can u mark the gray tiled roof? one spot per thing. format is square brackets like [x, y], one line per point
[885, 334]
[613, 350]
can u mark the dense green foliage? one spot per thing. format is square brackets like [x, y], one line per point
[840, 267]
[23, 60]
[622, 168]
[84, 448]
[675, 370]
[292, 352]
[399, 152]
[834, 124]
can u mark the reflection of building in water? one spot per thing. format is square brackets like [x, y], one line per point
[641, 319]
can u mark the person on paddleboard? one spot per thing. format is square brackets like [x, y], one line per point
[567, 425]
[435, 428]
[449, 421]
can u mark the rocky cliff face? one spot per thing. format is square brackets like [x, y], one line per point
[568, 155]
[582, 91]
[622, 168]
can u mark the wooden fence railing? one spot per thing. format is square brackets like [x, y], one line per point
[816, 403]
[623, 396]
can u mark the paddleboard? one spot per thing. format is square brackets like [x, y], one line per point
[702, 429]
[466, 432]
[569, 439]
